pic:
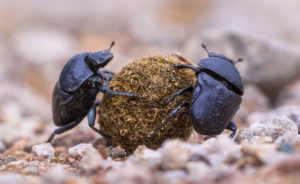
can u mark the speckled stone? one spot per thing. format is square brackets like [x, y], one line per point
[273, 129]
[45, 150]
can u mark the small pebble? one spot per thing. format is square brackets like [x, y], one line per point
[103, 151]
[40, 158]
[30, 170]
[116, 152]
[2, 146]
[16, 165]
[275, 128]
[91, 161]
[81, 149]
[139, 150]
[59, 150]
[72, 160]
[33, 164]
[43, 169]
[175, 154]
[289, 137]
[44, 149]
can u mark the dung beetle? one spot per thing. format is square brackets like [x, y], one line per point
[74, 94]
[216, 96]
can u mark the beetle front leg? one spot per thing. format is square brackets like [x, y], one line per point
[104, 89]
[173, 114]
[233, 127]
[196, 69]
[106, 75]
[180, 92]
[91, 120]
[97, 102]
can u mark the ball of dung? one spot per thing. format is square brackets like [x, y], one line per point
[130, 121]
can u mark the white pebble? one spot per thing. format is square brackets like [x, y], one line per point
[175, 154]
[81, 149]
[92, 161]
[44, 149]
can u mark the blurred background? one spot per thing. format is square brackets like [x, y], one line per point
[38, 37]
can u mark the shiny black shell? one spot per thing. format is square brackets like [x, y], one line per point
[74, 73]
[212, 105]
[72, 107]
[223, 67]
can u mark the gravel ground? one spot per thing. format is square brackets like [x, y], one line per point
[266, 153]
[37, 39]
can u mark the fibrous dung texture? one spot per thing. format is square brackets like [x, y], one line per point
[131, 121]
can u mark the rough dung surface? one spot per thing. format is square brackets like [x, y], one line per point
[131, 121]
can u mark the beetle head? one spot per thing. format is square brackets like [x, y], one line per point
[212, 54]
[223, 69]
[99, 59]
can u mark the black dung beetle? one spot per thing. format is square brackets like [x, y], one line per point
[74, 95]
[216, 96]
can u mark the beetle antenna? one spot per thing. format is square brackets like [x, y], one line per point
[204, 47]
[112, 44]
[239, 60]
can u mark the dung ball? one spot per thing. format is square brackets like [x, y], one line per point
[130, 121]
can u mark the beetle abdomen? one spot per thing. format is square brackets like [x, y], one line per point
[67, 108]
[214, 108]
[59, 98]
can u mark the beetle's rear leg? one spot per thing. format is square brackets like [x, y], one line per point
[91, 120]
[173, 114]
[232, 126]
[180, 92]
[63, 129]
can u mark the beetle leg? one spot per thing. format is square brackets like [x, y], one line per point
[180, 92]
[232, 126]
[173, 114]
[106, 75]
[97, 102]
[91, 120]
[104, 89]
[63, 129]
[196, 69]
